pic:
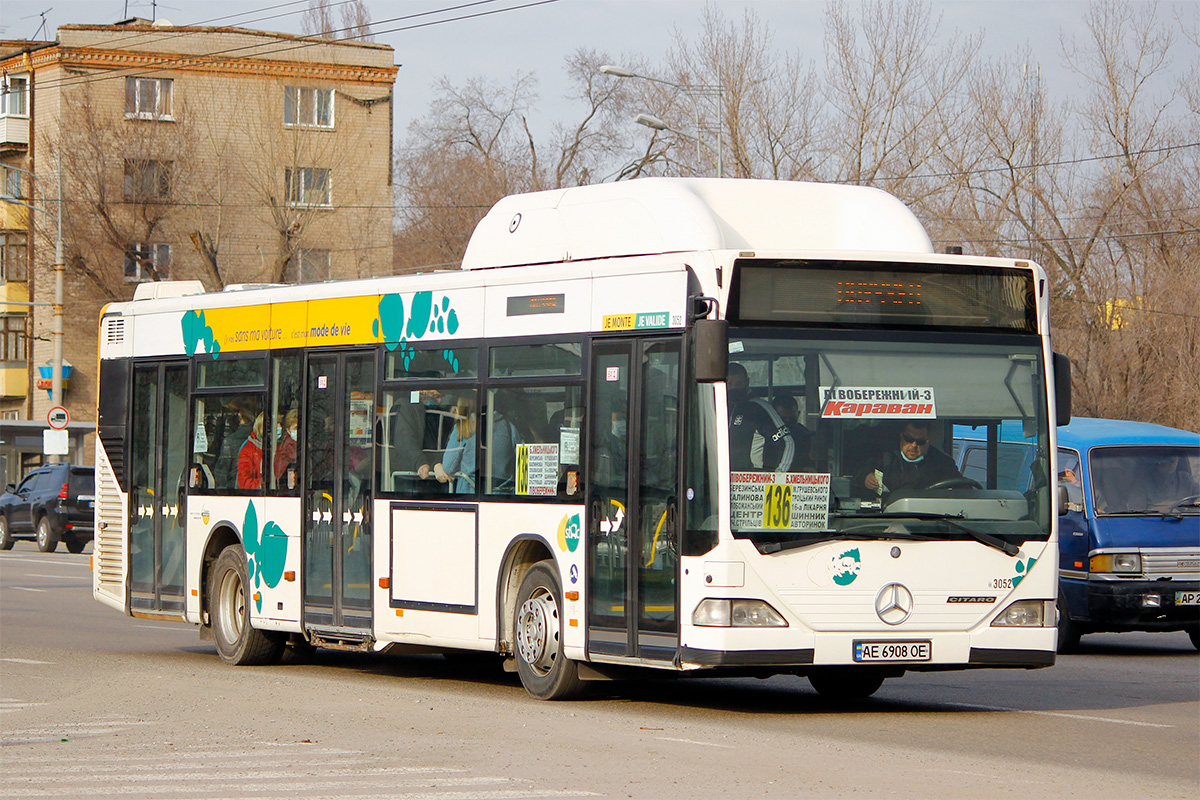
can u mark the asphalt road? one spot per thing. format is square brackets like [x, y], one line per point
[96, 705]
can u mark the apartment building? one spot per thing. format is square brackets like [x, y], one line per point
[225, 155]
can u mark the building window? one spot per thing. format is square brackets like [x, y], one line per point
[147, 180]
[14, 342]
[307, 186]
[307, 107]
[148, 98]
[14, 97]
[148, 262]
[307, 266]
[13, 250]
[12, 182]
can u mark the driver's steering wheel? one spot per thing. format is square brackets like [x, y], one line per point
[957, 483]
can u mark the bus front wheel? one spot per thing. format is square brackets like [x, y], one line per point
[237, 642]
[850, 683]
[545, 672]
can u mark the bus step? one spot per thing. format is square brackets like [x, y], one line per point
[360, 643]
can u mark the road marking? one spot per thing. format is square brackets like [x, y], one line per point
[693, 741]
[25, 660]
[55, 577]
[28, 589]
[1084, 717]
[178, 629]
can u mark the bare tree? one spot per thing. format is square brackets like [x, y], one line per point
[318, 20]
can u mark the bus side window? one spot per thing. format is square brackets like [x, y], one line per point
[283, 431]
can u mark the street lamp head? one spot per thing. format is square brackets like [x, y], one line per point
[620, 72]
[651, 122]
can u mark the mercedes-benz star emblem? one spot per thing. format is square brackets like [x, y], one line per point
[894, 603]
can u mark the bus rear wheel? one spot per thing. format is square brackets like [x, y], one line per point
[237, 642]
[545, 672]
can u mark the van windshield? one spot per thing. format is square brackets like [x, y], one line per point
[833, 434]
[1145, 479]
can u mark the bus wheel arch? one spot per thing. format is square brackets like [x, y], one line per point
[522, 554]
[221, 537]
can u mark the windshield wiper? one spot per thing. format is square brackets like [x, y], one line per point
[950, 519]
[837, 536]
[1192, 501]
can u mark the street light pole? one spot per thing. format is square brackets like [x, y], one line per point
[694, 93]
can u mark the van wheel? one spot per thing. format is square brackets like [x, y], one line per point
[1068, 631]
[6, 539]
[237, 642]
[849, 683]
[47, 539]
[545, 672]
[1194, 635]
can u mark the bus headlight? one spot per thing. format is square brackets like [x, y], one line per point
[721, 613]
[1128, 563]
[1026, 614]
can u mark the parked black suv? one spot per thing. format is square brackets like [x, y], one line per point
[53, 503]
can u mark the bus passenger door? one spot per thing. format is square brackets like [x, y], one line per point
[157, 475]
[633, 501]
[338, 471]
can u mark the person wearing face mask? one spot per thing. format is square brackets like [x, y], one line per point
[759, 437]
[911, 464]
[285, 451]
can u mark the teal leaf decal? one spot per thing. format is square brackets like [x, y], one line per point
[195, 332]
[845, 567]
[390, 321]
[420, 313]
[266, 554]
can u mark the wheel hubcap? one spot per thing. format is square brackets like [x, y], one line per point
[537, 631]
[233, 604]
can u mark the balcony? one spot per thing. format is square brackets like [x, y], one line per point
[14, 133]
[13, 217]
[14, 379]
[14, 292]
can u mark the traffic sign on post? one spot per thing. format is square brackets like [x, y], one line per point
[58, 417]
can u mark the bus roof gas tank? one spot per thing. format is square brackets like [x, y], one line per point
[671, 215]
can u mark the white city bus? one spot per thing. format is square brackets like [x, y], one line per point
[532, 457]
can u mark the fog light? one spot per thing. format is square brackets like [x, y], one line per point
[737, 613]
[1026, 614]
[1151, 601]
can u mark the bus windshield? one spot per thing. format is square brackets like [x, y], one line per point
[837, 437]
[1145, 480]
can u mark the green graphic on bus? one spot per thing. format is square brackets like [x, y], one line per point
[266, 555]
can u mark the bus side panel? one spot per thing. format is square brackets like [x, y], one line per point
[270, 533]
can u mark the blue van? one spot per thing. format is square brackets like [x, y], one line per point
[1129, 530]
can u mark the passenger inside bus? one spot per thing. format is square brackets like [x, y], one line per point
[458, 462]
[250, 458]
[764, 435]
[910, 463]
[285, 450]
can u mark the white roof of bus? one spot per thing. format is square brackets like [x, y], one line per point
[665, 215]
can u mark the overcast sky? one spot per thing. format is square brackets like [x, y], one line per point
[538, 38]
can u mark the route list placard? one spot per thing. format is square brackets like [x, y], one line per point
[795, 501]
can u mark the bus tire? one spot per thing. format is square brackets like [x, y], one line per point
[848, 683]
[237, 642]
[47, 539]
[545, 672]
[6, 539]
[1068, 631]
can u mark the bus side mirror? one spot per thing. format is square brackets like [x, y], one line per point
[710, 350]
[1064, 501]
[1062, 388]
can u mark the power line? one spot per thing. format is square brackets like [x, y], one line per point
[261, 50]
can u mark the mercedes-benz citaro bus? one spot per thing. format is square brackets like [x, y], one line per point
[695, 426]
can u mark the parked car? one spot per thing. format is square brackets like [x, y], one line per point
[1129, 526]
[52, 503]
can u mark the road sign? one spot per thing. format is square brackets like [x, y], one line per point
[58, 417]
